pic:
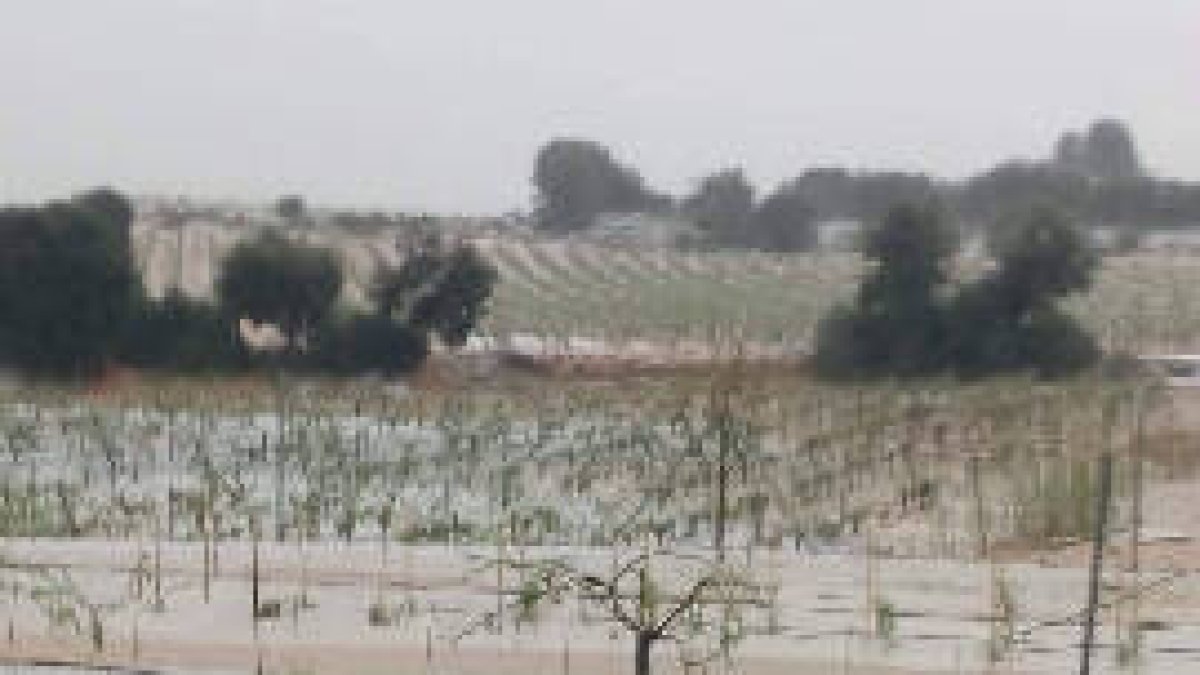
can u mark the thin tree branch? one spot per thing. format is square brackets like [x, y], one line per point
[682, 607]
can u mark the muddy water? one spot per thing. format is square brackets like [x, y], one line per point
[945, 616]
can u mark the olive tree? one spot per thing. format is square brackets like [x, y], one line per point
[275, 280]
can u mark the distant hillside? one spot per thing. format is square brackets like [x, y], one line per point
[555, 289]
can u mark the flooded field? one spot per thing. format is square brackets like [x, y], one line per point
[341, 610]
[787, 528]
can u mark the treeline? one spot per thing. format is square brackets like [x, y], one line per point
[1095, 177]
[291, 210]
[72, 302]
[907, 318]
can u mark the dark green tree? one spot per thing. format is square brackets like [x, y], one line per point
[275, 280]
[178, 333]
[837, 193]
[1001, 196]
[783, 222]
[876, 193]
[1071, 153]
[576, 180]
[1045, 257]
[370, 343]
[1009, 319]
[722, 206]
[291, 208]
[68, 284]
[1110, 152]
[442, 291]
[897, 323]
[115, 209]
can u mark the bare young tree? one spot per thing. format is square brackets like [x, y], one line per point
[647, 606]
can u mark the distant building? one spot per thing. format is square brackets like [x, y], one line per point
[839, 234]
[1174, 239]
[1179, 239]
[641, 229]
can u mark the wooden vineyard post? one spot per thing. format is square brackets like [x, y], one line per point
[205, 522]
[254, 597]
[429, 650]
[1102, 507]
[159, 604]
[1136, 525]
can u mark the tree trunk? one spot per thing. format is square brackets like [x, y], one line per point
[641, 657]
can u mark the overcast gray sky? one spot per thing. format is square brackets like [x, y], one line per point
[440, 105]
